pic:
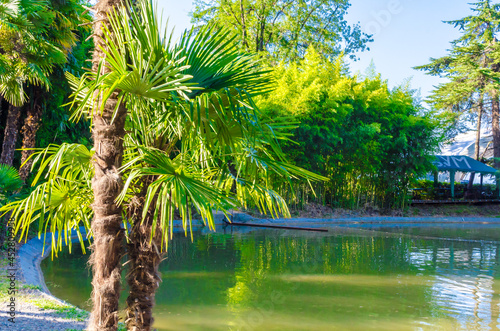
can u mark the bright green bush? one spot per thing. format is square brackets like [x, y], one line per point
[372, 142]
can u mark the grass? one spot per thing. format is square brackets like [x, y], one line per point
[65, 311]
[5, 285]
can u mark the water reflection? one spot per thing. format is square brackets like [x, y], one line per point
[381, 279]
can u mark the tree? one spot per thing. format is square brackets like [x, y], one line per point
[188, 146]
[370, 141]
[64, 31]
[26, 56]
[35, 36]
[108, 118]
[284, 29]
[473, 70]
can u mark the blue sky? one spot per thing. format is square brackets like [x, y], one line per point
[406, 34]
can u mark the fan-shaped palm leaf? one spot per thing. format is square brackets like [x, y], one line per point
[215, 62]
[9, 179]
[61, 204]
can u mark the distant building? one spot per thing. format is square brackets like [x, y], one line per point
[464, 144]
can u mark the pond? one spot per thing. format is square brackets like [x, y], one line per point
[420, 277]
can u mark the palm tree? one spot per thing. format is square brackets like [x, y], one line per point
[174, 135]
[190, 146]
[216, 66]
[62, 31]
[35, 36]
[108, 117]
[25, 56]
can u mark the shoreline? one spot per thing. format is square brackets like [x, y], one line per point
[36, 308]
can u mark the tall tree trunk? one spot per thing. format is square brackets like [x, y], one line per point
[478, 128]
[143, 278]
[29, 130]
[478, 140]
[495, 127]
[1, 108]
[243, 26]
[107, 248]
[10, 135]
[262, 29]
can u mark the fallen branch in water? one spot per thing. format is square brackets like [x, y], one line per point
[275, 226]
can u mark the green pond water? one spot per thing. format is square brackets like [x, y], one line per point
[384, 278]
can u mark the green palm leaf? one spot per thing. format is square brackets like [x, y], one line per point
[61, 204]
[9, 179]
[175, 187]
[215, 62]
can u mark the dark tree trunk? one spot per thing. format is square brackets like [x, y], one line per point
[243, 26]
[478, 128]
[10, 135]
[476, 145]
[495, 110]
[262, 28]
[29, 130]
[107, 248]
[1, 108]
[143, 278]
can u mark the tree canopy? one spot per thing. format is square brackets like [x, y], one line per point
[35, 36]
[473, 69]
[370, 141]
[284, 29]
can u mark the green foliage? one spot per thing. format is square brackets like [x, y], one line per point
[9, 179]
[9, 183]
[370, 142]
[55, 125]
[284, 29]
[423, 183]
[194, 139]
[35, 36]
[472, 69]
[20, 47]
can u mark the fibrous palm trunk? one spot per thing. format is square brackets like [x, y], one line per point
[107, 248]
[143, 279]
[10, 135]
[29, 130]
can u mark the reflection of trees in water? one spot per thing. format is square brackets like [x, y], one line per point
[462, 288]
[448, 279]
[465, 287]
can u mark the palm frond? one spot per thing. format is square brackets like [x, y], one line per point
[59, 160]
[9, 179]
[60, 206]
[11, 87]
[137, 61]
[62, 203]
[175, 187]
[215, 62]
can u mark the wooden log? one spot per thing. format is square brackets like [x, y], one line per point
[276, 226]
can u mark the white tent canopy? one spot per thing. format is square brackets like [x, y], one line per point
[464, 144]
